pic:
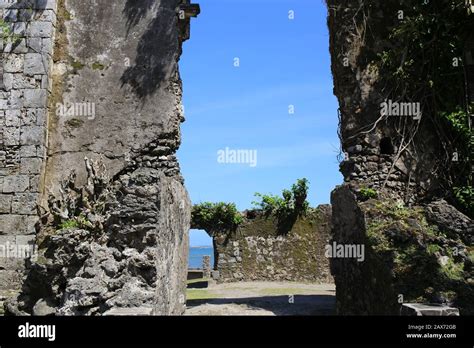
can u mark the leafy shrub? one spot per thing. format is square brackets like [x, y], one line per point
[6, 33]
[293, 203]
[69, 224]
[368, 193]
[76, 222]
[465, 197]
[212, 216]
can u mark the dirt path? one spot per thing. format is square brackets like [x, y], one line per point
[261, 298]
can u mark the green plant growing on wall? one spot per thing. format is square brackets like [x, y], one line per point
[7, 34]
[299, 192]
[76, 222]
[268, 203]
[425, 63]
[368, 193]
[465, 197]
[69, 224]
[292, 204]
[215, 216]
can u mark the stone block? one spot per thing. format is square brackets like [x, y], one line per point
[10, 15]
[41, 151]
[20, 47]
[28, 151]
[15, 183]
[25, 15]
[32, 135]
[12, 118]
[13, 63]
[35, 64]
[20, 81]
[47, 46]
[24, 203]
[11, 136]
[5, 203]
[31, 165]
[7, 81]
[41, 117]
[28, 118]
[47, 16]
[17, 224]
[46, 5]
[35, 183]
[215, 275]
[15, 99]
[35, 98]
[40, 29]
[46, 83]
[35, 43]
[19, 28]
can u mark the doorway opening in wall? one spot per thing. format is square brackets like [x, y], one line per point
[200, 247]
[261, 118]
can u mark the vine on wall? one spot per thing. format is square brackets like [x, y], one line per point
[427, 64]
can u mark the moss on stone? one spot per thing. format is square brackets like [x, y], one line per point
[74, 123]
[413, 252]
[77, 65]
[98, 66]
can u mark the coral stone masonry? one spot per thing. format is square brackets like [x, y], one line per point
[97, 80]
[25, 84]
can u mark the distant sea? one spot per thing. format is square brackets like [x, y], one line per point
[196, 254]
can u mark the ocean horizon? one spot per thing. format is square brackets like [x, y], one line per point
[196, 254]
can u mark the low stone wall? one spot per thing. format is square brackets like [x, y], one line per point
[258, 251]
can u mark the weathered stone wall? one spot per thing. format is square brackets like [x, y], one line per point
[257, 250]
[418, 247]
[372, 144]
[25, 85]
[116, 100]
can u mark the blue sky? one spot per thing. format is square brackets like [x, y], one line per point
[283, 63]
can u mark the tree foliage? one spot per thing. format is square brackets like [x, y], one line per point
[292, 203]
[215, 216]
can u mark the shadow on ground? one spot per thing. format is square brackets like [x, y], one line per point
[276, 305]
[198, 285]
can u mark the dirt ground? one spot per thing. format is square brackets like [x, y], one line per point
[260, 298]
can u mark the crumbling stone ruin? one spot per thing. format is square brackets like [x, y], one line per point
[90, 114]
[400, 162]
[96, 80]
[258, 250]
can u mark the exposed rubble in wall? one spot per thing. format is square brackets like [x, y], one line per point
[258, 251]
[411, 255]
[114, 236]
[99, 252]
[418, 247]
[28, 29]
